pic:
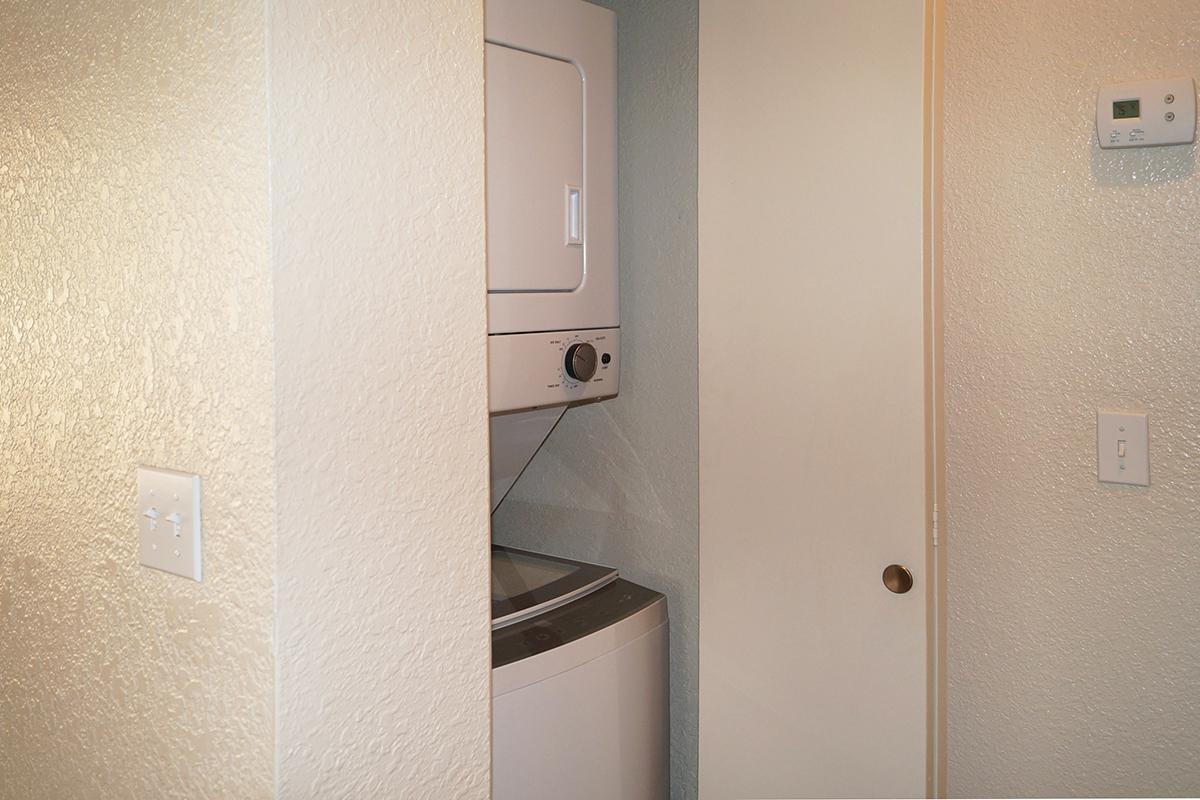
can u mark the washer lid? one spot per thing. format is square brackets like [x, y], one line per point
[602, 622]
[525, 584]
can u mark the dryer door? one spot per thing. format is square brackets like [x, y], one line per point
[535, 198]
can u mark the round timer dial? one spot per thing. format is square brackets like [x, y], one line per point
[581, 361]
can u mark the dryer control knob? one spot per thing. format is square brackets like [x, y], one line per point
[581, 361]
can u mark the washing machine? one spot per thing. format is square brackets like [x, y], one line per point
[579, 682]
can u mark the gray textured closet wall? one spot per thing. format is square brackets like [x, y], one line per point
[616, 482]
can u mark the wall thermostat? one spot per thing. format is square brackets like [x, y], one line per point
[1146, 113]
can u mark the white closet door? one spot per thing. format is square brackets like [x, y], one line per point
[812, 415]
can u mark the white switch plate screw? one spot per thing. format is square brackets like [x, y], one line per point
[172, 498]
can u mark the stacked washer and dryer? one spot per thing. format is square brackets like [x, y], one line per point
[579, 667]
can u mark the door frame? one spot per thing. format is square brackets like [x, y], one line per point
[935, 457]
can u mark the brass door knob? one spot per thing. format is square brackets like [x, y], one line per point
[897, 579]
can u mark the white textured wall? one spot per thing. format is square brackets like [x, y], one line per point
[134, 328]
[616, 481]
[383, 604]
[1072, 282]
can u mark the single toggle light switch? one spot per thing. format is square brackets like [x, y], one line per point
[1123, 448]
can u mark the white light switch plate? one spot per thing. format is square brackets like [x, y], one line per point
[168, 514]
[1123, 448]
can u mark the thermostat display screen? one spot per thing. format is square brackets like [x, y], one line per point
[1127, 109]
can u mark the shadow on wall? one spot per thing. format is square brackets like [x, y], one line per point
[582, 496]
[614, 480]
[1143, 166]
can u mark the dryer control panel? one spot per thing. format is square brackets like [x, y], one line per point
[527, 370]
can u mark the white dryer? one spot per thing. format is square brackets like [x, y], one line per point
[554, 334]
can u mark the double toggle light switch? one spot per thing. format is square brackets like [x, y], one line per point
[169, 521]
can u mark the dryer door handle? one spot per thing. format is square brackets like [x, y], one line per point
[574, 215]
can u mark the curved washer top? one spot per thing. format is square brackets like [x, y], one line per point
[589, 614]
[525, 584]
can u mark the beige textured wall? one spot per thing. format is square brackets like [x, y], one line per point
[1072, 281]
[616, 482]
[134, 328]
[380, 306]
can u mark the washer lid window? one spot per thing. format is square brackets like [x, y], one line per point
[525, 584]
